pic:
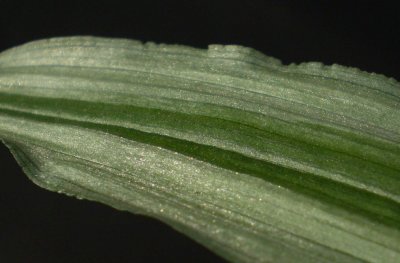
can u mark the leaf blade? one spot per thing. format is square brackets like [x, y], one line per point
[225, 134]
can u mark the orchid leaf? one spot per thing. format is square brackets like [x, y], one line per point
[258, 161]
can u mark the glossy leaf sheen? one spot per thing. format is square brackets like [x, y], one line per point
[258, 161]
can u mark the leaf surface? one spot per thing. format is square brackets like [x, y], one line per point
[258, 161]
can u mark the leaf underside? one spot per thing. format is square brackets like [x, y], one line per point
[258, 161]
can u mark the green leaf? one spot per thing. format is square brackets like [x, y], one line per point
[258, 161]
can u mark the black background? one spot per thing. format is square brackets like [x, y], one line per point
[41, 226]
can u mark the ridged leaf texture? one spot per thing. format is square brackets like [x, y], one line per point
[258, 161]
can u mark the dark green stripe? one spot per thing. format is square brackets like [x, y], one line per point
[257, 135]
